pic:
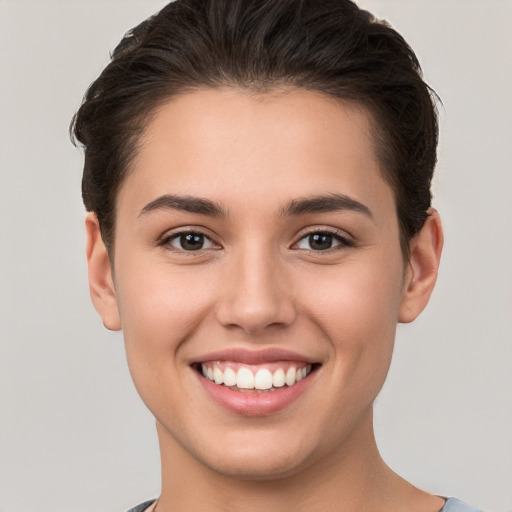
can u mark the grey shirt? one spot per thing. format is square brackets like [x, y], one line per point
[455, 505]
[451, 505]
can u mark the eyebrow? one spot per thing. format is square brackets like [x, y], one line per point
[185, 204]
[324, 204]
[315, 204]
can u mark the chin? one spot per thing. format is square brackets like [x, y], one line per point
[273, 458]
[258, 468]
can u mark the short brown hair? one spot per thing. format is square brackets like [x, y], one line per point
[331, 46]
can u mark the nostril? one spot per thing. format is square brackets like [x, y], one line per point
[256, 317]
[256, 295]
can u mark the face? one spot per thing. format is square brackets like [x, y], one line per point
[258, 277]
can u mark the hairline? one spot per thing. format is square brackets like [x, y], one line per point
[142, 120]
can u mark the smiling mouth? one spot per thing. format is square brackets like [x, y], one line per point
[255, 378]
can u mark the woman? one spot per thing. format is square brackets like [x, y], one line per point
[258, 180]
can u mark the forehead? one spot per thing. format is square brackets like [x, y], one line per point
[233, 144]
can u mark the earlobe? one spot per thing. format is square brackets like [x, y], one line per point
[101, 283]
[421, 274]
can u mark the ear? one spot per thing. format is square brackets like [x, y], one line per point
[421, 272]
[101, 283]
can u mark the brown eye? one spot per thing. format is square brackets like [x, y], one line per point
[321, 241]
[190, 241]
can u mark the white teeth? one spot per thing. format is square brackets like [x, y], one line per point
[245, 379]
[229, 377]
[278, 379]
[218, 376]
[263, 379]
[290, 376]
[301, 374]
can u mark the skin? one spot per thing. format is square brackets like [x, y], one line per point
[257, 283]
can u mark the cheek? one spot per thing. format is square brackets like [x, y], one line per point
[357, 297]
[160, 306]
[357, 309]
[160, 309]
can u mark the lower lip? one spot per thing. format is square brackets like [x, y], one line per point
[254, 403]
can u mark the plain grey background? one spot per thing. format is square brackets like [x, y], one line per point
[74, 436]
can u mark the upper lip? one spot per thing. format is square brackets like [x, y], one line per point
[246, 356]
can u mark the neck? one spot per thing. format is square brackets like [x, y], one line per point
[352, 477]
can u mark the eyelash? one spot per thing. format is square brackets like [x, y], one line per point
[167, 240]
[341, 241]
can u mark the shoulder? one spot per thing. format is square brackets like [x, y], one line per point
[142, 506]
[455, 505]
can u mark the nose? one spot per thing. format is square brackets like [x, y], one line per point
[256, 294]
